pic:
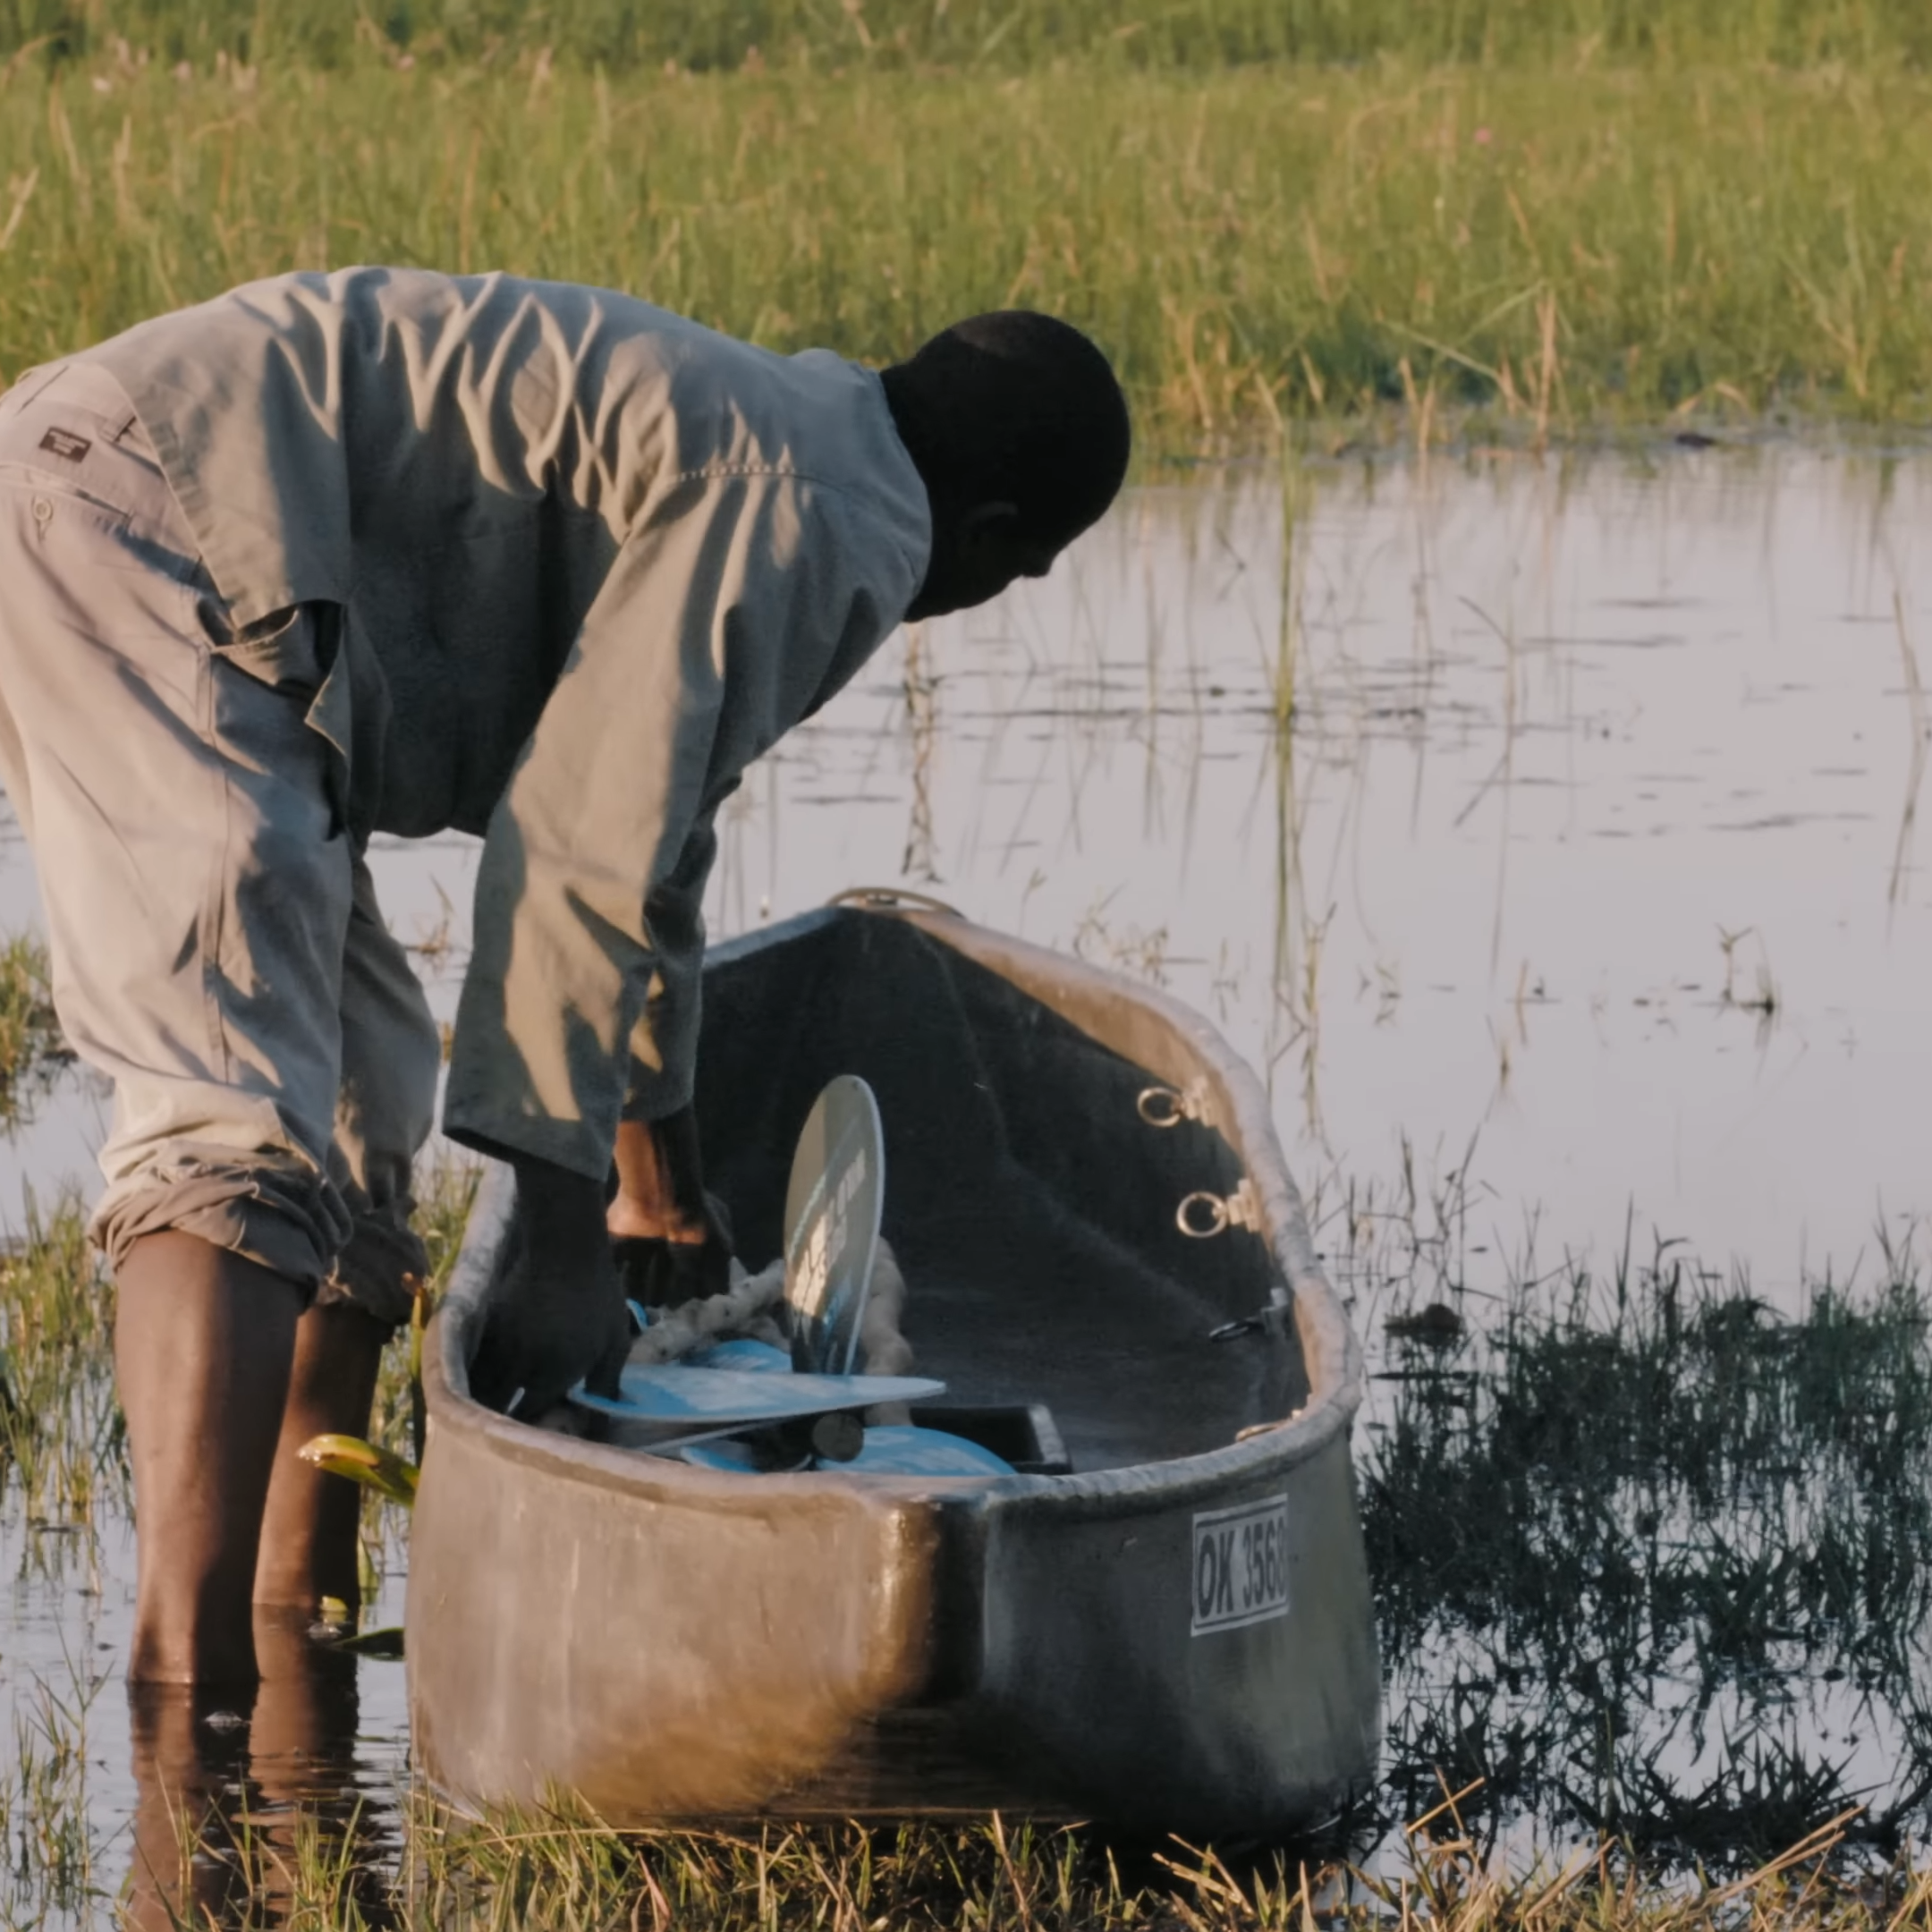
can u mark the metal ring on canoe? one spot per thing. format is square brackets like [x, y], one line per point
[1161, 1107]
[1216, 1213]
[1201, 1215]
[1168, 1106]
[884, 898]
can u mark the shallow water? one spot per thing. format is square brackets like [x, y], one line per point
[1563, 737]
[1582, 897]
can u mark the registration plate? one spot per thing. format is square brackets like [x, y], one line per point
[1241, 1566]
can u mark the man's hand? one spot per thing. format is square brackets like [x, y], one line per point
[664, 1271]
[672, 1239]
[557, 1316]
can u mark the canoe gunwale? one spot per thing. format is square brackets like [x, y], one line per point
[1331, 1355]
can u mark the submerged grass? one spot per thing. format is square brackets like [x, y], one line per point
[1653, 1569]
[1654, 1560]
[62, 1439]
[445, 1189]
[1553, 249]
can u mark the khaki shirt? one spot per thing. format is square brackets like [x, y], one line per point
[592, 560]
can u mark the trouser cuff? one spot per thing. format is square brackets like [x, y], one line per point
[289, 1221]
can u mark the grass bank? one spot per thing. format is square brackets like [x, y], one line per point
[1557, 250]
[982, 34]
[561, 1872]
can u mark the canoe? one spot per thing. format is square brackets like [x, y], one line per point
[1160, 1619]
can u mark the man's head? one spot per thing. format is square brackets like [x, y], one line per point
[1021, 436]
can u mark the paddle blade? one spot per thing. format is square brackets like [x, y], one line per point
[832, 1225]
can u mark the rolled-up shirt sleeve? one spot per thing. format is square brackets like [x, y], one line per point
[726, 614]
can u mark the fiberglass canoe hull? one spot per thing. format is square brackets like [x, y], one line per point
[1183, 1645]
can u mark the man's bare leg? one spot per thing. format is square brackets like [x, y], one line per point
[309, 1528]
[203, 1342]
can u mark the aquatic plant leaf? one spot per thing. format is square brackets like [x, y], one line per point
[362, 1462]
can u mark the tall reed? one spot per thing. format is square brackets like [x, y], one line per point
[1556, 250]
[62, 1437]
[32, 1049]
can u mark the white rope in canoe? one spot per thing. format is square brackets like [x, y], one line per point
[746, 1311]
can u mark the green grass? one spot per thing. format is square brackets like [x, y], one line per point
[560, 1870]
[555, 1870]
[63, 1463]
[1555, 249]
[63, 1442]
[447, 1187]
[1637, 1542]
[32, 1050]
[999, 34]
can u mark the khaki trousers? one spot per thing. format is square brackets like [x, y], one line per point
[217, 950]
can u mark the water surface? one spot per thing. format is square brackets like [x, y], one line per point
[1544, 831]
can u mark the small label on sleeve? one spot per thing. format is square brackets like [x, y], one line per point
[66, 443]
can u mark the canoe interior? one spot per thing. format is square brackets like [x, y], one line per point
[1031, 1208]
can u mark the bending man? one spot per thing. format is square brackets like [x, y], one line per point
[392, 551]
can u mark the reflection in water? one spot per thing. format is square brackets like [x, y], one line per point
[1921, 741]
[1442, 795]
[1651, 1561]
[242, 1812]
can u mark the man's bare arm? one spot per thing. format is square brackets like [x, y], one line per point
[660, 1187]
[674, 1243]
